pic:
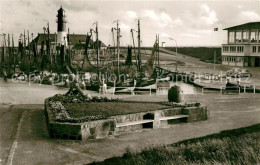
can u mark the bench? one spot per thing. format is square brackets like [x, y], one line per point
[173, 117]
[232, 90]
[170, 120]
[133, 123]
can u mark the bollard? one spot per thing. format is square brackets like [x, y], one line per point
[254, 88]
[244, 88]
[132, 91]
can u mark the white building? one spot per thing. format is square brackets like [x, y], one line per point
[243, 45]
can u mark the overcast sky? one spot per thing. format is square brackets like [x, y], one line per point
[190, 22]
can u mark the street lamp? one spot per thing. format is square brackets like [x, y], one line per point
[175, 53]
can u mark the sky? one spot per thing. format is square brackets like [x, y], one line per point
[189, 22]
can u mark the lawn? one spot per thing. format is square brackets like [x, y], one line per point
[238, 146]
[203, 53]
[110, 108]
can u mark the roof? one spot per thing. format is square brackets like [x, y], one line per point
[74, 39]
[249, 25]
[61, 9]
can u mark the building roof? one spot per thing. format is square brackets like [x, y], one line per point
[61, 9]
[74, 39]
[249, 25]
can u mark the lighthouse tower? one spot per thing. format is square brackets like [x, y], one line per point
[61, 35]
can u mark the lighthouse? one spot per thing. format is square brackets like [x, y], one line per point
[61, 35]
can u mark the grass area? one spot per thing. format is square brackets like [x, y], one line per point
[205, 54]
[110, 108]
[8, 124]
[238, 146]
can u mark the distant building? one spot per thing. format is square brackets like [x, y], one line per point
[61, 30]
[243, 45]
[163, 44]
[76, 41]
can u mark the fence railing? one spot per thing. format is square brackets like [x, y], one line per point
[250, 89]
[164, 90]
[132, 90]
[241, 89]
[230, 90]
[208, 90]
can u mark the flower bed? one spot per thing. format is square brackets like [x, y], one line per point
[61, 114]
[74, 108]
[82, 118]
[173, 104]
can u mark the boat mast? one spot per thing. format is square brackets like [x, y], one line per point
[49, 43]
[8, 49]
[118, 45]
[29, 51]
[68, 40]
[13, 57]
[139, 49]
[158, 50]
[4, 45]
[97, 44]
[24, 42]
[134, 47]
[112, 30]
[13, 47]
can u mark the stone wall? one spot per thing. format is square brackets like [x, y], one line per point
[97, 129]
[107, 127]
[195, 113]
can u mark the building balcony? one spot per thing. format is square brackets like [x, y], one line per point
[241, 50]
[238, 54]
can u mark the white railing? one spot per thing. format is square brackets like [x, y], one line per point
[207, 90]
[162, 90]
[249, 88]
[131, 90]
[233, 90]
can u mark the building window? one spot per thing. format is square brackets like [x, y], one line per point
[258, 49]
[231, 37]
[225, 59]
[240, 49]
[238, 36]
[245, 36]
[259, 35]
[225, 48]
[254, 49]
[246, 59]
[240, 59]
[233, 48]
[253, 36]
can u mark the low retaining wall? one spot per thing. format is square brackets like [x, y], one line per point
[109, 127]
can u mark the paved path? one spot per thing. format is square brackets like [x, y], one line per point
[194, 65]
[33, 145]
[12, 93]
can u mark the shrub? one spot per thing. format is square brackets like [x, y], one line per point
[174, 94]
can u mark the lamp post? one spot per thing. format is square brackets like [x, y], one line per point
[175, 52]
[176, 45]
